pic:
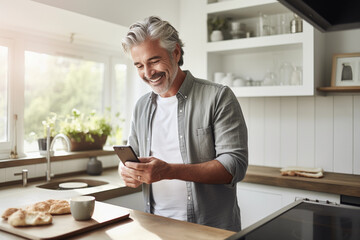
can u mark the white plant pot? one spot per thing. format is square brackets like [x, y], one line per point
[216, 35]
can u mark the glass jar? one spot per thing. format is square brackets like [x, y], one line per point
[296, 76]
[285, 73]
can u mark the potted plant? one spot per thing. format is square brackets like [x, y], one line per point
[86, 131]
[48, 123]
[216, 27]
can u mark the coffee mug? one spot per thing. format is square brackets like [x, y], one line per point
[82, 207]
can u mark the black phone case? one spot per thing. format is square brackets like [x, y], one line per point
[126, 153]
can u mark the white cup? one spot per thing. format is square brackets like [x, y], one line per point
[218, 76]
[82, 207]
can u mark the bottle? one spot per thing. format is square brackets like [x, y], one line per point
[296, 24]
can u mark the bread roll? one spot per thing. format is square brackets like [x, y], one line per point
[302, 171]
[58, 207]
[25, 218]
[39, 207]
[8, 212]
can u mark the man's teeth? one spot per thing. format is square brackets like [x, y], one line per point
[155, 80]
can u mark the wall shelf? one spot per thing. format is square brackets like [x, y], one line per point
[339, 89]
[257, 56]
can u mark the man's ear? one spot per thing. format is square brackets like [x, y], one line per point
[177, 53]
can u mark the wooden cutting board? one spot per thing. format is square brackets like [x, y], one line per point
[65, 225]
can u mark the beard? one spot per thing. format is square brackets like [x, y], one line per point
[164, 85]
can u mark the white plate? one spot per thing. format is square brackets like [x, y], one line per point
[73, 185]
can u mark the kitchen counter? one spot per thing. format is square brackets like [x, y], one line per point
[337, 183]
[18, 195]
[147, 226]
[140, 225]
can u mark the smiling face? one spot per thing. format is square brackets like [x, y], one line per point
[157, 67]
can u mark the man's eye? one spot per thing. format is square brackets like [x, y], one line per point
[154, 62]
[139, 66]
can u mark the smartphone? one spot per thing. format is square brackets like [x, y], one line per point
[126, 153]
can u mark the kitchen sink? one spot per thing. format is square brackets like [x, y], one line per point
[54, 184]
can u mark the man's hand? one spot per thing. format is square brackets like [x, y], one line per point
[148, 171]
[152, 170]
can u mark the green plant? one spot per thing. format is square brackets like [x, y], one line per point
[80, 126]
[50, 122]
[217, 23]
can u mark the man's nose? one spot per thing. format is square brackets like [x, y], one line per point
[149, 72]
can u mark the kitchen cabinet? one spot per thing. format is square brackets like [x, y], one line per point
[257, 201]
[265, 63]
[132, 201]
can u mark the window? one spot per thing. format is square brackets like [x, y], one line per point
[51, 76]
[57, 84]
[3, 94]
[5, 112]
[118, 105]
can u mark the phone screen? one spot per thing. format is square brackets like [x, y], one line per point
[126, 153]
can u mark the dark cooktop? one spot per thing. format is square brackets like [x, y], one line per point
[307, 220]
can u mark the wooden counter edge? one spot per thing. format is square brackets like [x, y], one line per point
[336, 183]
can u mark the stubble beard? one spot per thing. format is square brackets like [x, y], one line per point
[168, 83]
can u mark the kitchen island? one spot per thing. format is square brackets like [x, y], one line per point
[139, 225]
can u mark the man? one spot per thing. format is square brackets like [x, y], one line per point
[190, 134]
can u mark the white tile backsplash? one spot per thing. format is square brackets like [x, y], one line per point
[58, 167]
[9, 172]
[75, 165]
[2, 175]
[40, 170]
[109, 161]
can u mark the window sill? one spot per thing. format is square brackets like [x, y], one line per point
[35, 158]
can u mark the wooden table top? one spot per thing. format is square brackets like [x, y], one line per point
[141, 225]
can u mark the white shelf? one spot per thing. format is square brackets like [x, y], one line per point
[268, 91]
[242, 6]
[255, 56]
[256, 42]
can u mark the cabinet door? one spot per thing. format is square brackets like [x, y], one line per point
[132, 201]
[257, 201]
[256, 204]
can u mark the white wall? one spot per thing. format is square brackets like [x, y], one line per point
[121, 12]
[39, 19]
[304, 131]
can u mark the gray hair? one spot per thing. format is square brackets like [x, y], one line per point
[153, 28]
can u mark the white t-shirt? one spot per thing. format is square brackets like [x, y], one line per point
[169, 195]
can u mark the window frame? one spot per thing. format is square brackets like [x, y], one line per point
[18, 43]
[6, 147]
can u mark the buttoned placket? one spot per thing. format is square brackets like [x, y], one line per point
[148, 145]
[181, 128]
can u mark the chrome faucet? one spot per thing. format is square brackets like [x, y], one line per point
[49, 148]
